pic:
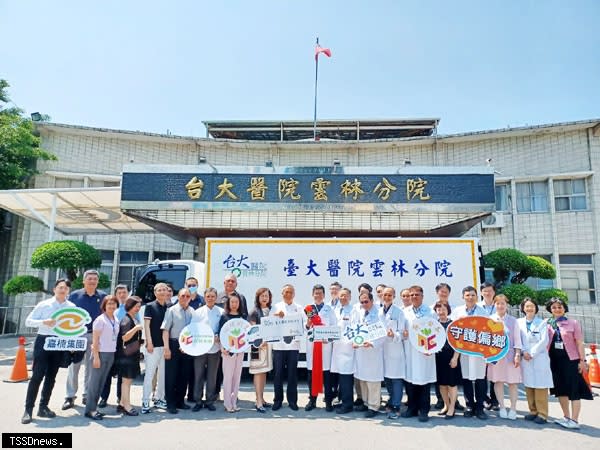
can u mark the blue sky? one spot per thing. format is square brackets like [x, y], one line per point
[153, 66]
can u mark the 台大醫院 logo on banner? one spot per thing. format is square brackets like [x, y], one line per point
[242, 266]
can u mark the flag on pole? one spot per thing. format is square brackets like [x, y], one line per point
[325, 51]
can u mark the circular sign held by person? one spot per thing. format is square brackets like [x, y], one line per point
[234, 336]
[427, 335]
[196, 339]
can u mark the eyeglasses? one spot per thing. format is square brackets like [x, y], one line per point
[191, 285]
[366, 302]
[185, 296]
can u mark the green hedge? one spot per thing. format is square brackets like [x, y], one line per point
[542, 296]
[22, 284]
[517, 292]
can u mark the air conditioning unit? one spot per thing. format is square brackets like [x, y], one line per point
[495, 220]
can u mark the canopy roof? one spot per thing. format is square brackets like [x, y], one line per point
[74, 210]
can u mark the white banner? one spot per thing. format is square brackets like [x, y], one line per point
[303, 263]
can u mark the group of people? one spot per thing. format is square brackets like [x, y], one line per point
[542, 354]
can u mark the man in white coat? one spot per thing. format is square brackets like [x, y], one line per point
[327, 317]
[472, 367]
[420, 368]
[394, 360]
[368, 361]
[342, 356]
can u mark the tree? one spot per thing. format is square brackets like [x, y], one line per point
[512, 268]
[70, 256]
[19, 147]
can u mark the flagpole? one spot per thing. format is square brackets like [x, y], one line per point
[316, 81]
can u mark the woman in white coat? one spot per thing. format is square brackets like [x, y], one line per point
[342, 356]
[394, 359]
[535, 364]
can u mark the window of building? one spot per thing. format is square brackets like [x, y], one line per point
[577, 278]
[164, 256]
[570, 195]
[532, 197]
[106, 266]
[503, 197]
[128, 261]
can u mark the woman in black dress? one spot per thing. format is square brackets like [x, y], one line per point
[447, 365]
[128, 353]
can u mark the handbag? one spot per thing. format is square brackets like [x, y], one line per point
[260, 361]
[131, 348]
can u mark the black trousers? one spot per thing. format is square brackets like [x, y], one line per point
[419, 401]
[178, 369]
[327, 387]
[285, 361]
[475, 396]
[346, 389]
[106, 389]
[492, 394]
[45, 367]
[335, 385]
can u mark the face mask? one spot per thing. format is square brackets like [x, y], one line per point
[193, 289]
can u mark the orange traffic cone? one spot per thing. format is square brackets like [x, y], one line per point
[19, 371]
[594, 372]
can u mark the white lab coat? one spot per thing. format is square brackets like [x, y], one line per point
[342, 355]
[420, 368]
[394, 359]
[328, 318]
[368, 361]
[472, 367]
[536, 372]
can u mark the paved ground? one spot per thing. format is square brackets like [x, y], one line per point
[284, 429]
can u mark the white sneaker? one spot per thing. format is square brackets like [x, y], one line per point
[502, 413]
[573, 425]
[564, 422]
[512, 414]
[160, 404]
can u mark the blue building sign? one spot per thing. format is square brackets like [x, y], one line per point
[302, 188]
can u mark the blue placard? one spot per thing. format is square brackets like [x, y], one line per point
[313, 188]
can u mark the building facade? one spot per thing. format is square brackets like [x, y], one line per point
[547, 194]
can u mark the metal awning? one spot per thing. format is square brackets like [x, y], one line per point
[295, 130]
[73, 211]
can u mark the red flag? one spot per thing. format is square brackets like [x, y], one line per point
[325, 51]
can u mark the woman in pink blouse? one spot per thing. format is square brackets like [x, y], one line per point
[567, 362]
[105, 331]
[507, 369]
